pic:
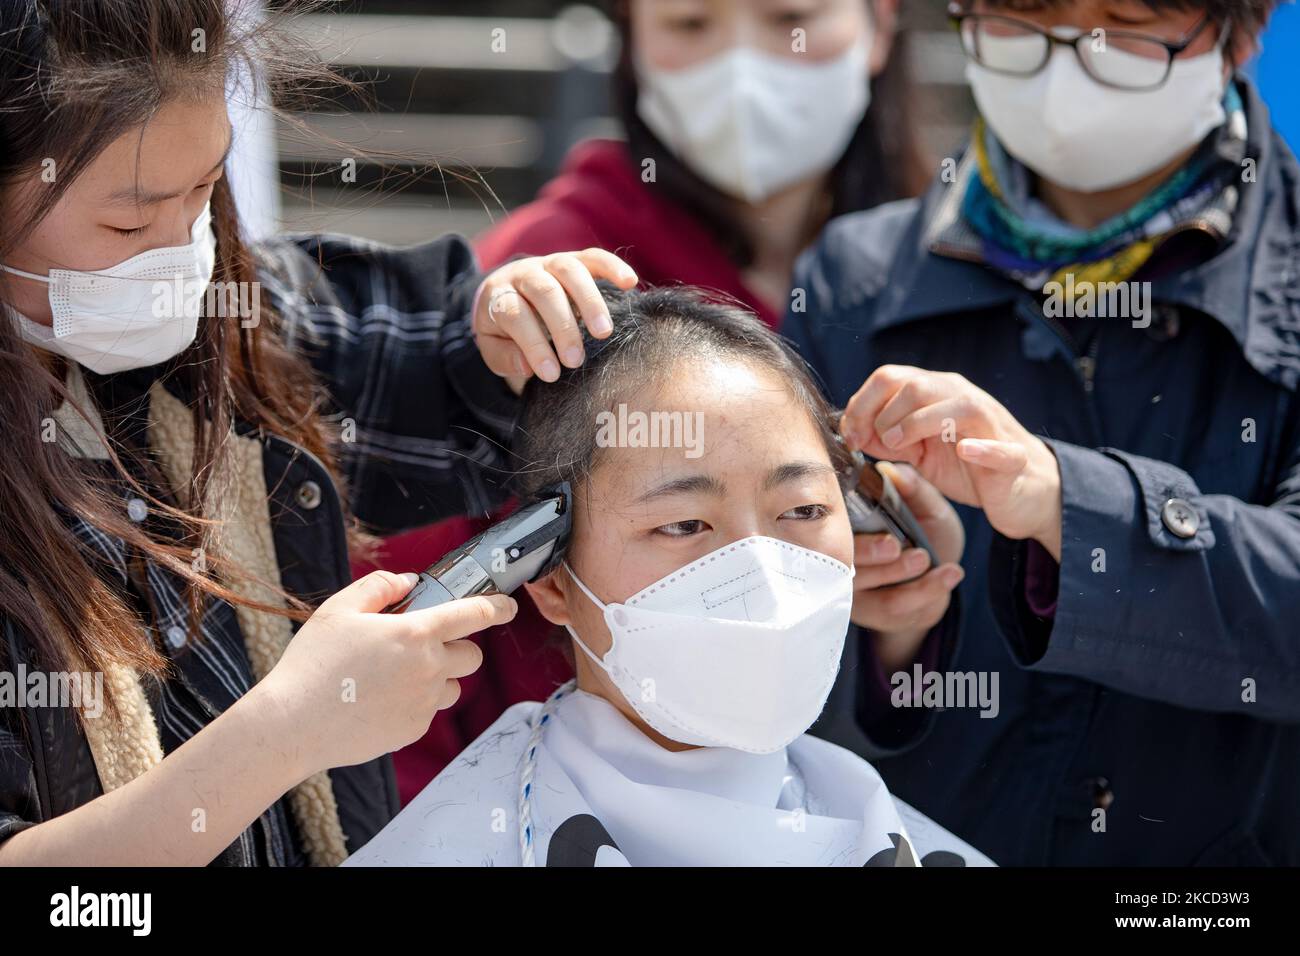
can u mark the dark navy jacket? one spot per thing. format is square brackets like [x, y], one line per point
[1166, 690]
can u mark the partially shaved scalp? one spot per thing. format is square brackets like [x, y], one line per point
[658, 333]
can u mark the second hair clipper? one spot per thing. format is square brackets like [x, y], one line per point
[875, 506]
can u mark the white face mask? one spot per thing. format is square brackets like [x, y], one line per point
[750, 123]
[1077, 133]
[738, 649]
[139, 313]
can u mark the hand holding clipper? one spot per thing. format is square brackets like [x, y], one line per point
[525, 545]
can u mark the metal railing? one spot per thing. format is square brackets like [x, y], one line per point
[480, 109]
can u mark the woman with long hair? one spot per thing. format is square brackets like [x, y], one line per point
[189, 425]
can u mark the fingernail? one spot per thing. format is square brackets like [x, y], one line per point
[974, 448]
[573, 357]
[548, 370]
[520, 367]
[892, 437]
[952, 577]
[888, 549]
[917, 560]
[410, 577]
[600, 325]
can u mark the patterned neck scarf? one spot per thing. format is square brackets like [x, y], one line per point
[1018, 235]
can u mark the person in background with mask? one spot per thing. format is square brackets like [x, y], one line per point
[1088, 335]
[706, 591]
[749, 124]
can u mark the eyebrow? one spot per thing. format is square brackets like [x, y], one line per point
[794, 471]
[709, 485]
[129, 195]
[690, 484]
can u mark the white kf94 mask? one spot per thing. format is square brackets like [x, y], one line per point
[1077, 133]
[130, 315]
[738, 649]
[750, 123]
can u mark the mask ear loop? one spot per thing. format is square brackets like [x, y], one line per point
[585, 590]
[1223, 39]
[26, 275]
[594, 600]
[528, 768]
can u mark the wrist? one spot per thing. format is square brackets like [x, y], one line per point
[271, 722]
[1048, 529]
[895, 650]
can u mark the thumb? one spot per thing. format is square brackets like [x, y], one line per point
[922, 497]
[1003, 457]
[373, 593]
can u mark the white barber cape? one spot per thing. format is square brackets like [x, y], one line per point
[592, 790]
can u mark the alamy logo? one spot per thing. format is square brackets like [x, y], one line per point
[946, 690]
[1098, 300]
[21, 688]
[221, 300]
[651, 430]
[103, 909]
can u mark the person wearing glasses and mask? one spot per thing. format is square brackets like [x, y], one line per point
[1087, 335]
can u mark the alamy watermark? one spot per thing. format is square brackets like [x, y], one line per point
[75, 908]
[221, 300]
[23, 688]
[1098, 300]
[637, 429]
[946, 690]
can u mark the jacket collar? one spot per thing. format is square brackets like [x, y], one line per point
[80, 423]
[1251, 287]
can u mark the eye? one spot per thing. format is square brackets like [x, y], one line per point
[130, 232]
[790, 18]
[688, 24]
[681, 529]
[807, 513]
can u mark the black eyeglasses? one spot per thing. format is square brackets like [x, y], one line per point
[1115, 58]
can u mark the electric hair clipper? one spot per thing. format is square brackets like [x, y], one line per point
[875, 506]
[519, 548]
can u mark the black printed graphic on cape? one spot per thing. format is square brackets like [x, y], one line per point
[933, 858]
[577, 840]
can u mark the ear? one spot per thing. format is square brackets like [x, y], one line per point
[1240, 49]
[549, 594]
[884, 22]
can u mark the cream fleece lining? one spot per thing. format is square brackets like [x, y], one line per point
[126, 748]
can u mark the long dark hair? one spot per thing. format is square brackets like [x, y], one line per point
[1249, 15]
[74, 76]
[883, 161]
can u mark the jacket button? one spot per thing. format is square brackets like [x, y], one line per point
[176, 636]
[1166, 323]
[1102, 795]
[137, 510]
[308, 495]
[1180, 518]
